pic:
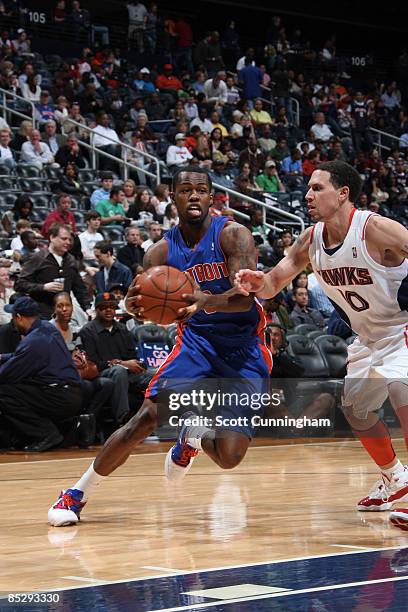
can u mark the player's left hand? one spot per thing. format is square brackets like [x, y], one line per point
[198, 300]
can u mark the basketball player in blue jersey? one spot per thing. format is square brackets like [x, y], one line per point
[221, 335]
[360, 261]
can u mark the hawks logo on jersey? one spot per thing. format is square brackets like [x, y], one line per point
[346, 275]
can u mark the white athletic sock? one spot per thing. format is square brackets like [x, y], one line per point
[195, 434]
[88, 482]
[398, 468]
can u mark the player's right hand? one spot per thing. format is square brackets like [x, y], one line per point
[133, 298]
[249, 281]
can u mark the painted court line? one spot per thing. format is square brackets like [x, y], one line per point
[161, 569]
[216, 569]
[94, 581]
[331, 587]
[355, 547]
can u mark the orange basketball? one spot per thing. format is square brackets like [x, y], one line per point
[161, 289]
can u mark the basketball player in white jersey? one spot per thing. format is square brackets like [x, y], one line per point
[359, 259]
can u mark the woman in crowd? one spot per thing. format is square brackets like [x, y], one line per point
[22, 209]
[96, 392]
[161, 198]
[170, 216]
[69, 182]
[129, 188]
[203, 151]
[142, 211]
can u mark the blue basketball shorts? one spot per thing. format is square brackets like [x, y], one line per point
[233, 376]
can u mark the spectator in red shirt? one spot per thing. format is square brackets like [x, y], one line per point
[310, 163]
[168, 80]
[61, 214]
[184, 46]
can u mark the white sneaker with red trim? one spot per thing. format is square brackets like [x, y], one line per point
[385, 493]
[399, 518]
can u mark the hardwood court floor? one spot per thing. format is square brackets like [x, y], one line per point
[283, 501]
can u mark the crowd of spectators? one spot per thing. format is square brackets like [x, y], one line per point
[260, 120]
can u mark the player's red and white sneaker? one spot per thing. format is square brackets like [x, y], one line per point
[399, 518]
[377, 499]
[385, 493]
[180, 457]
[67, 508]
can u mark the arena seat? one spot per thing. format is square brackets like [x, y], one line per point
[153, 344]
[311, 358]
[316, 333]
[172, 333]
[305, 328]
[334, 350]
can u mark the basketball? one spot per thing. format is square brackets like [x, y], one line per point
[161, 289]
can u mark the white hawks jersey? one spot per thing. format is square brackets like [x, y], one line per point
[372, 299]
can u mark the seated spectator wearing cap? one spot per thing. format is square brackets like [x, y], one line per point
[112, 348]
[260, 116]
[178, 155]
[167, 81]
[110, 271]
[52, 270]
[269, 180]
[132, 253]
[35, 152]
[103, 192]
[44, 109]
[111, 210]
[61, 214]
[6, 154]
[145, 84]
[39, 384]
[90, 237]
[220, 206]
[219, 174]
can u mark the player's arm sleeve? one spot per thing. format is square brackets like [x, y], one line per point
[156, 255]
[238, 245]
[290, 266]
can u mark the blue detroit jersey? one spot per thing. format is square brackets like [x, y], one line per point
[207, 265]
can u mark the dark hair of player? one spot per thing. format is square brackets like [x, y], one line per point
[196, 170]
[343, 175]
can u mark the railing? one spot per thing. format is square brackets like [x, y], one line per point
[7, 110]
[125, 148]
[381, 134]
[265, 206]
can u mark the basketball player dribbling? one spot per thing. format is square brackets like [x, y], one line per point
[221, 335]
[359, 259]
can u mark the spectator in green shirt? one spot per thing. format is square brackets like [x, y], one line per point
[269, 180]
[112, 211]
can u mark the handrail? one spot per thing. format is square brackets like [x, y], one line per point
[247, 198]
[8, 94]
[387, 135]
[123, 146]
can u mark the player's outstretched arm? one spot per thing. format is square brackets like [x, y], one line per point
[267, 285]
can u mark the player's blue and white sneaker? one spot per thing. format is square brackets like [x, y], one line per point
[67, 508]
[180, 457]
